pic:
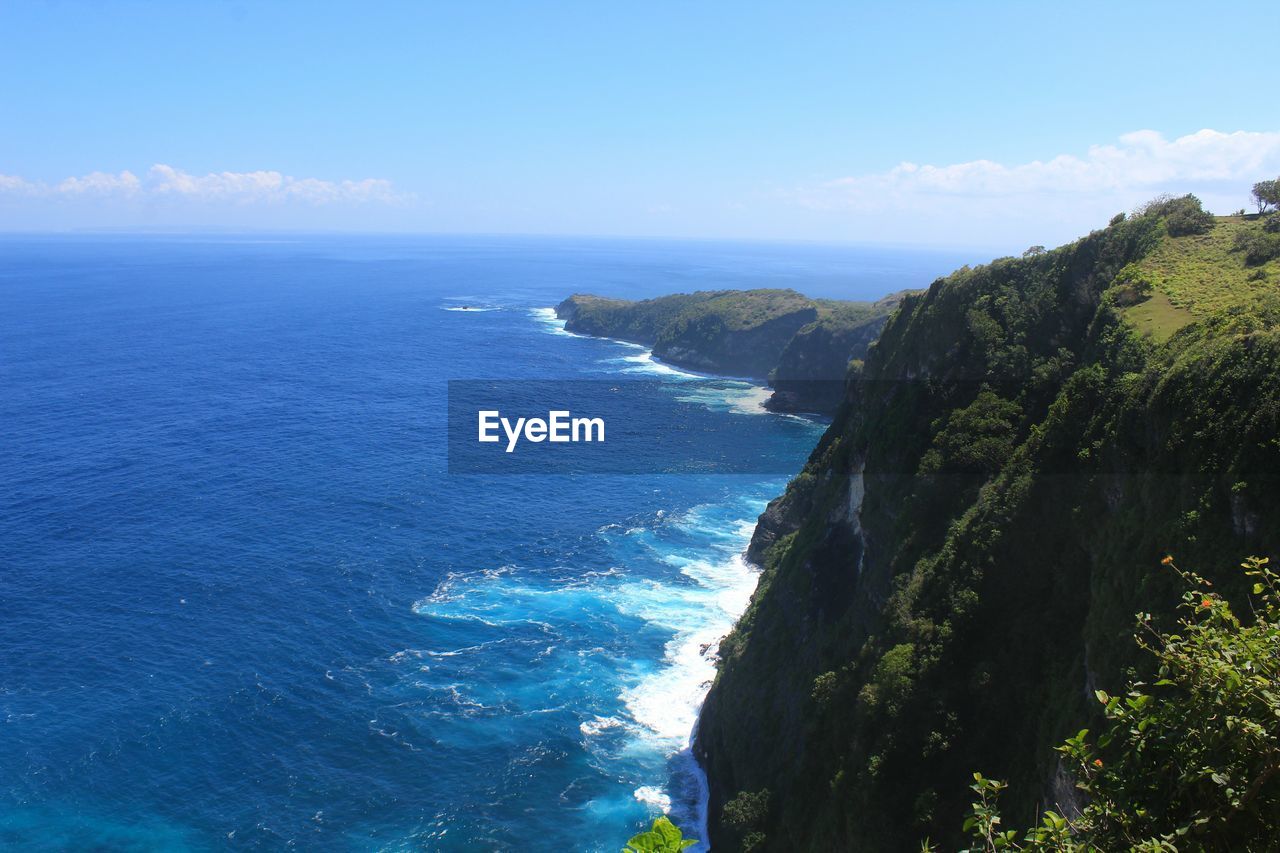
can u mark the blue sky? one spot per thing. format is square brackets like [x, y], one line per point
[693, 119]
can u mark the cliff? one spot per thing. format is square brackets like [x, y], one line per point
[958, 565]
[812, 367]
[802, 346]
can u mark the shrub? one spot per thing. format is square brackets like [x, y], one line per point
[1131, 286]
[1156, 207]
[976, 439]
[1189, 762]
[663, 837]
[744, 815]
[747, 810]
[1182, 214]
[824, 688]
[1188, 217]
[1258, 245]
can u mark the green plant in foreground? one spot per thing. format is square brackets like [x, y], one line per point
[663, 837]
[1190, 762]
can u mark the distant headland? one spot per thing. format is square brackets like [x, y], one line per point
[803, 347]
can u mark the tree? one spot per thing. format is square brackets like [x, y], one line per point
[1182, 214]
[976, 439]
[745, 814]
[1190, 762]
[1266, 194]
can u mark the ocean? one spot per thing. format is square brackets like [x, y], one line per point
[245, 603]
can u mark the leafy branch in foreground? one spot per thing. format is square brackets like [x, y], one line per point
[1190, 762]
[663, 837]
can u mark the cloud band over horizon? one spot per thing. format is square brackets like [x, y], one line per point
[161, 181]
[1142, 159]
[979, 202]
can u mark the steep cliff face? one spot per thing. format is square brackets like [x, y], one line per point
[742, 334]
[959, 563]
[802, 345]
[812, 368]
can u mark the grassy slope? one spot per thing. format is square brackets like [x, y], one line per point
[1194, 276]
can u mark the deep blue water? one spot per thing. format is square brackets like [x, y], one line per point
[244, 604]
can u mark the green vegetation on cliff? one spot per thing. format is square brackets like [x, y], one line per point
[1195, 276]
[639, 322]
[1189, 761]
[812, 368]
[955, 572]
[663, 837]
[804, 345]
[736, 332]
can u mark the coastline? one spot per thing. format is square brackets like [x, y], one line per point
[548, 316]
[707, 651]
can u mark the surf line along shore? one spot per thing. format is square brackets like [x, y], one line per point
[558, 427]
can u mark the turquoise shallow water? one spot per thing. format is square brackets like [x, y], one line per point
[245, 604]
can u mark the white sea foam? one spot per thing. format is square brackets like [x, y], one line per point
[719, 393]
[651, 795]
[644, 362]
[598, 725]
[751, 401]
[734, 532]
[666, 702]
[663, 704]
[406, 654]
[547, 317]
[728, 396]
[648, 729]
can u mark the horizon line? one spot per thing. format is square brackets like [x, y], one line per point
[234, 230]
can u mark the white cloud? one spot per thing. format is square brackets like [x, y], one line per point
[1049, 201]
[13, 185]
[100, 183]
[1143, 160]
[163, 181]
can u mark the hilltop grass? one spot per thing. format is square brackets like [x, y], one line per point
[1196, 275]
[835, 314]
[1158, 317]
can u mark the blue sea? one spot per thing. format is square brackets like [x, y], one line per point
[244, 603]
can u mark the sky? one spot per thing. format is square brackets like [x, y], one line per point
[944, 124]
